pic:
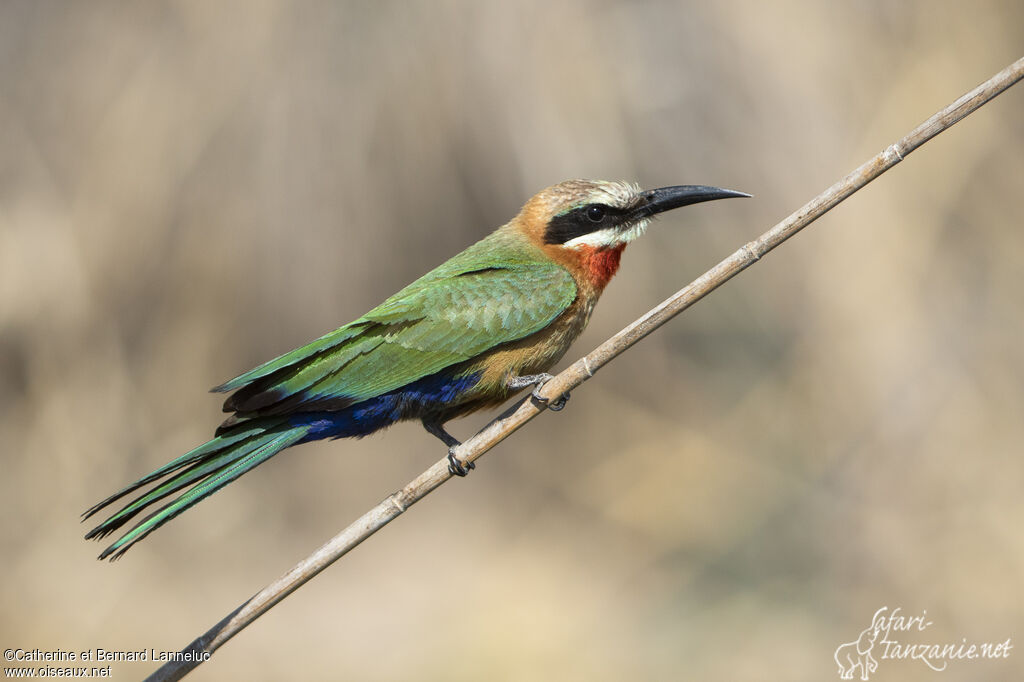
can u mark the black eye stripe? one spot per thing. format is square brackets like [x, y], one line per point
[580, 221]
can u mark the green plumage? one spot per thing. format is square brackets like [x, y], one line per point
[206, 470]
[501, 289]
[490, 321]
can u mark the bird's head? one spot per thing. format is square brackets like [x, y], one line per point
[589, 222]
[599, 214]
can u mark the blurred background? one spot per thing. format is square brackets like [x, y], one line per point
[189, 188]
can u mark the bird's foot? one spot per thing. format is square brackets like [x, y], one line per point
[555, 405]
[538, 381]
[456, 467]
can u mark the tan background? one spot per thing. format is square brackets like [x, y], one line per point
[189, 188]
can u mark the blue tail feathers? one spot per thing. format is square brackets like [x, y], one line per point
[240, 448]
[376, 413]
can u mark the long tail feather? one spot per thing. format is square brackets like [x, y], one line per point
[203, 451]
[195, 472]
[207, 469]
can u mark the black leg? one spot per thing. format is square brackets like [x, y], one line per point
[455, 465]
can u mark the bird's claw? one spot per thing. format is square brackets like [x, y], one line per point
[538, 381]
[559, 402]
[555, 405]
[456, 467]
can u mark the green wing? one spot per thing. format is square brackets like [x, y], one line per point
[461, 309]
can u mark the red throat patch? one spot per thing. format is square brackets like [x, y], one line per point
[600, 264]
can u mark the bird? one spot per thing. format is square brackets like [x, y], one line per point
[466, 336]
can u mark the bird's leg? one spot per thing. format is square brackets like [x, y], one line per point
[538, 381]
[455, 465]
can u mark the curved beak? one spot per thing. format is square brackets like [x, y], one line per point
[663, 199]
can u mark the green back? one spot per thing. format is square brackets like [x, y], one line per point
[499, 290]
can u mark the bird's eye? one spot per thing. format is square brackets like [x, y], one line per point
[595, 213]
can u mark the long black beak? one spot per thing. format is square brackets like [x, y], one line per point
[666, 198]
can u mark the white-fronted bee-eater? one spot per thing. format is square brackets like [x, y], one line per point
[465, 336]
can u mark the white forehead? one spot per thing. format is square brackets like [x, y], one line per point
[577, 192]
[613, 193]
[572, 193]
